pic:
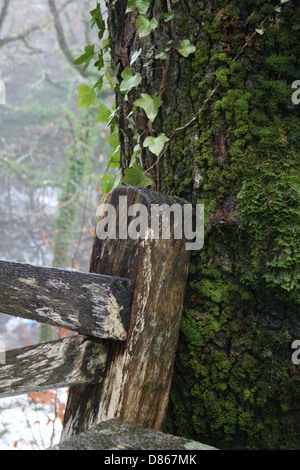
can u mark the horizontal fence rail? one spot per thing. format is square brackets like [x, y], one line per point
[133, 296]
[90, 304]
[55, 364]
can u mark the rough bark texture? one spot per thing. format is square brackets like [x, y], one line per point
[118, 434]
[98, 306]
[139, 371]
[56, 364]
[234, 385]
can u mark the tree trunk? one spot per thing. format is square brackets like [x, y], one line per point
[234, 385]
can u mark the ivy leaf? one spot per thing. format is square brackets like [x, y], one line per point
[284, 1]
[186, 48]
[149, 105]
[113, 140]
[162, 56]
[99, 83]
[104, 113]
[100, 62]
[98, 20]
[87, 96]
[114, 154]
[156, 144]
[135, 55]
[112, 76]
[86, 57]
[137, 177]
[114, 158]
[141, 5]
[129, 80]
[168, 16]
[154, 23]
[145, 26]
[135, 155]
[108, 182]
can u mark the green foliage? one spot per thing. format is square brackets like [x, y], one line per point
[228, 379]
[141, 5]
[145, 27]
[162, 55]
[87, 96]
[150, 105]
[234, 385]
[86, 58]
[110, 182]
[156, 144]
[168, 16]
[98, 20]
[137, 177]
[129, 81]
[104, 113]
[186, 48]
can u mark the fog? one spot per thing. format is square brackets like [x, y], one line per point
[47, 215]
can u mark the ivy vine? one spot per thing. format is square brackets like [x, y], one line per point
[100, 55]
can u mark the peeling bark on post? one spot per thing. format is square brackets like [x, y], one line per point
[56, 364]
[139, 371]
[90, 304]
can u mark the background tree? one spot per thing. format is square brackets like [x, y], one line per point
[51, 161]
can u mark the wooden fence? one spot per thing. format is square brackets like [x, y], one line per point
[127, 312]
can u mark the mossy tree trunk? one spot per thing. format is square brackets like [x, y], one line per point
[234, 385]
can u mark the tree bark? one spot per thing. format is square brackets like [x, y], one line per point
[234, 385]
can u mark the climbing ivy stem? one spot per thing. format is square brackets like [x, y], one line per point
[188, 124]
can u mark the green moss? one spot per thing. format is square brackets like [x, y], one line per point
[234, 384]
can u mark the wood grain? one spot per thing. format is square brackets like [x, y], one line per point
[90, 304]
[139, 371]
[55, 364]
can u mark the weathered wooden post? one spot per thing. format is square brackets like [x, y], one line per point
[138, 371]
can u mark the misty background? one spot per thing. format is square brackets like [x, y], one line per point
[52, 158]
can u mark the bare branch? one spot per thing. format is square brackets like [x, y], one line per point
[4, 11]
[22, 36]
[60, 35]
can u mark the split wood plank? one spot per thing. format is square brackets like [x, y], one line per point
[51, 365]
[139, 371]
[87, 303]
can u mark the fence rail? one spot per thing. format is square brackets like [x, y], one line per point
[90, 304]
[127, 311]
[55, 364]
